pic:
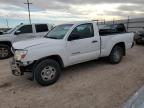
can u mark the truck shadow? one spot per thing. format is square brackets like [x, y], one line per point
[80, 68]
[5, 85]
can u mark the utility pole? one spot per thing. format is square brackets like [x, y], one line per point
[7, 23]
[104, 21]
[28, 3]
[113, 21]
[128, 23]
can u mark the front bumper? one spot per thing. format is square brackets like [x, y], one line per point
[15, 68]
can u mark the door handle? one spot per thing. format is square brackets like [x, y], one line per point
[94, 41]
[76, 53]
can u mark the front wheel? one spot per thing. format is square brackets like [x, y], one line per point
[47, 72]
[116, 55]
[5, 52]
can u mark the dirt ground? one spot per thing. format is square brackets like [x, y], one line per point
[94, 84]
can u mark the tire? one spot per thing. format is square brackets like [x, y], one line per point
[5, 52]
[116, 55]
[138, 43]
[47, 72]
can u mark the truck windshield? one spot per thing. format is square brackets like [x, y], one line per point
[59, 31]
[11, 30]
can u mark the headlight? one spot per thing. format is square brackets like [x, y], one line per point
[20, 54]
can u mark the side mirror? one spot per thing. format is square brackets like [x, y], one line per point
[73, 36]
[1, 32]
[17, 32]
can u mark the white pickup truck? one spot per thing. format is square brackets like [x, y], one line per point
[21, 32]
[66, 45]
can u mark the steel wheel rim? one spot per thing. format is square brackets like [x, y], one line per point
[48, 73]
[3, 52]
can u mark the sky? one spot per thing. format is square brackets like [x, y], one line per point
[61, 11]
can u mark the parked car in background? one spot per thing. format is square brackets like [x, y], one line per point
[1, 32]
[137, 100]
[66, 45]
[19, 33]
[139, 37]
[111, 29]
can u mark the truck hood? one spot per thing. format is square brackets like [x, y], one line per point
[5, 35]
[34, 42]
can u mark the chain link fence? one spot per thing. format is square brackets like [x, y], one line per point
[132, 25]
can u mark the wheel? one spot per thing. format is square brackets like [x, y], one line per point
[5, 52]
[116, 55]
[138, 43]
[47, 72]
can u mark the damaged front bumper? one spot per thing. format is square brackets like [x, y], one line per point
[19, 68]
[15, 68]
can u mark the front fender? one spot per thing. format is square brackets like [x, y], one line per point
[37, 52]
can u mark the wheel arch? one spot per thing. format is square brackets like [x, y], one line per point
[6, 43]
[121, 44]
[54, 57]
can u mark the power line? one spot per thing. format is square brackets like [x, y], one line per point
[28, 3]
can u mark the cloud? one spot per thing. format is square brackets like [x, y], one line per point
[72, 10]
[132, 8]
[65, 4]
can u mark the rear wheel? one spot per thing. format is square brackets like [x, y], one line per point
[116, 55]
[5, 52]
[47, 72]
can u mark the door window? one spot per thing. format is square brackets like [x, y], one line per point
[84, 31]
[25, 29]
[41, 28]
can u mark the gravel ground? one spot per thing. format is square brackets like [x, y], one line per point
[94, 84]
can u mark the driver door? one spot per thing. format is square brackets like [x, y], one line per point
[23, 33]
[82, 44]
